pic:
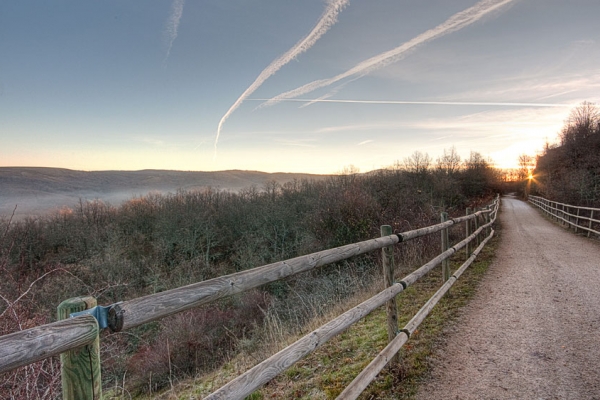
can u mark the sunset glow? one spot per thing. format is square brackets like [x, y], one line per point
[306, 86]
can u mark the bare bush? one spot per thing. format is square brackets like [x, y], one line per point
[195, 340]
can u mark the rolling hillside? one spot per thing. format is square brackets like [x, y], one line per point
[38, 190]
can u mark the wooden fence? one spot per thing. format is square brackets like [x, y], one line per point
[76, 335]
[579, 218]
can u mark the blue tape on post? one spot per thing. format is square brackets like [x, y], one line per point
[99, 312]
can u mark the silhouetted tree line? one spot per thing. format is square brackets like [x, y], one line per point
[570, 171]
[160, 241]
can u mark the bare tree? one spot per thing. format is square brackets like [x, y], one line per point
[476, 161]
[417, 162]
[449, 162]
[583, 121]
[526, 164]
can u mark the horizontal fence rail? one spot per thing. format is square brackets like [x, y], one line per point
[248, 382]
[139, 311]
[35, 344]
[580, 218]
[31, 345]
[362, 380]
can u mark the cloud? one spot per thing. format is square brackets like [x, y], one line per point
[327, 20]
[386, 125]
[173, 25]
[297, 142]
[452, 24]
[150, 141]
[440, 138]
[332, 93]
[499, 133]
[582, 85]
[364, 142]
[427, 103]
[514, 124]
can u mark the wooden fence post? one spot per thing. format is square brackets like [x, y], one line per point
[591, 218]
[487, 220]
[562, 215]
[476, 227]
[80, 368]
[446, 262]
[387, 260]
[577, 220]
[468, 233]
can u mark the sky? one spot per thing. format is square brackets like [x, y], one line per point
[288, 86]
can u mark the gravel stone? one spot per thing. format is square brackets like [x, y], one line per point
[532, 331]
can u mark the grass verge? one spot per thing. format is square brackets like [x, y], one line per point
[327, 371]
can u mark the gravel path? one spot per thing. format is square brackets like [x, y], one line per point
[532, 330]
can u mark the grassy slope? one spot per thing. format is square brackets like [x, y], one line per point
[327, 371]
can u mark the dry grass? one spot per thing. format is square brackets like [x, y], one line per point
[327, 371]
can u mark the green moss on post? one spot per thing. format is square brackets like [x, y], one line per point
[80, 368]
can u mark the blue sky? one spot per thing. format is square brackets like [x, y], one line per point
[128, 85]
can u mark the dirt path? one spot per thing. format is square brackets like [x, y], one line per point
[533, 329]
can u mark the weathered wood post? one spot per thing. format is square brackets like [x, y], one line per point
[446, 262]
[468, 233]
[476, 220]
[387, 260]
[80, 368]
[559, 214]
[487, 220]
[591, 218]
[577, 220]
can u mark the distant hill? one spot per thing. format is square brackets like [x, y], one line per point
[39, 190]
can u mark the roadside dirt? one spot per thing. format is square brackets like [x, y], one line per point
[532, 331]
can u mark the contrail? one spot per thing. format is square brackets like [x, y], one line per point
[452, 24]
[173, 25]
[442, 103]
[326, 96]
[327, 20]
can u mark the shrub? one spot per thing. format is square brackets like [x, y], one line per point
[195, 340]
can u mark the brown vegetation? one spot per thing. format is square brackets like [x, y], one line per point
[570, 171]
[157, 242]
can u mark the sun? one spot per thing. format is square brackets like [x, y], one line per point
[530, 173]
